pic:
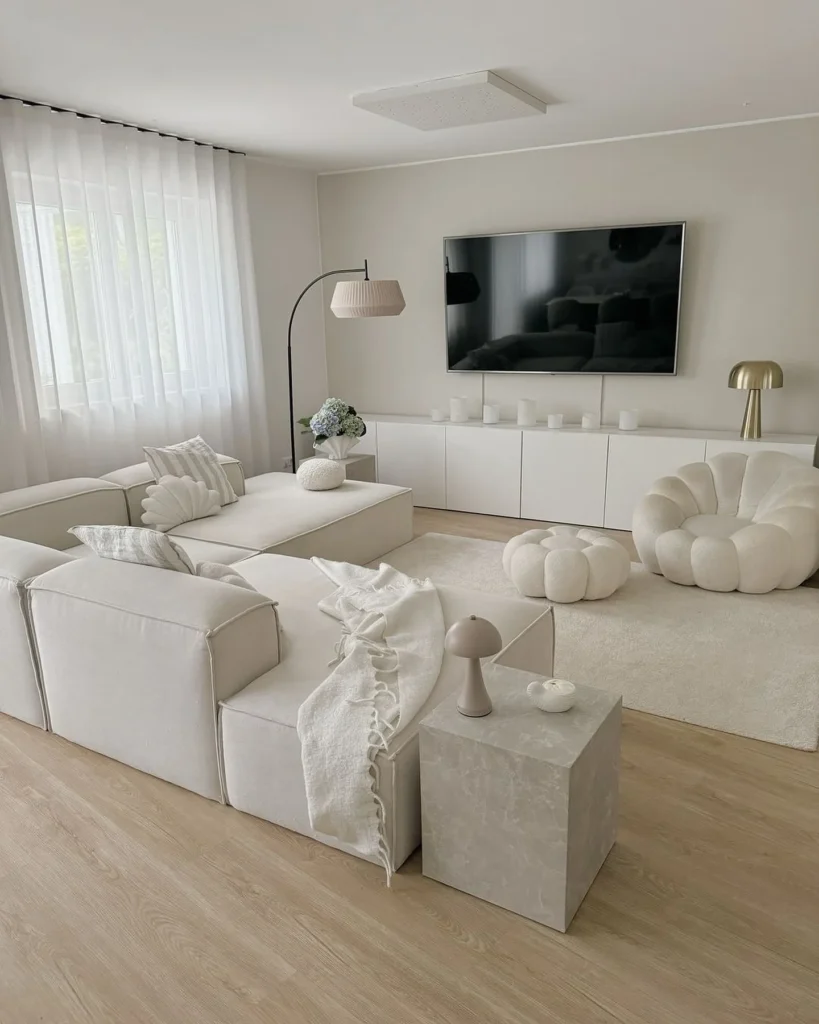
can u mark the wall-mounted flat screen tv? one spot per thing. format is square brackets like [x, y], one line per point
[605, 300]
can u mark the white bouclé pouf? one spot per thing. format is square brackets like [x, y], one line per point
[565, 564]
[321, 474]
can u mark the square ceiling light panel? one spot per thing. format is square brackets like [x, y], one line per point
[452, 102]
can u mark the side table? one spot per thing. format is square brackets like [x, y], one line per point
[358, 467]
[520, 808]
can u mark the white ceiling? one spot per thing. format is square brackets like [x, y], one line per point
[276, 78]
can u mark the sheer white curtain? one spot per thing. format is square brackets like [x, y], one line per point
[128, 301]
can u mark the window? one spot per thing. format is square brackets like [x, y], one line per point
[85, 286]
[131, 295]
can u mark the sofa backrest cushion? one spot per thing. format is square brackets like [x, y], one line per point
[797, 486]
[20, 690]
[138, 478]
[134, 661]
[736, 484]
[21, 561]
[44, 514]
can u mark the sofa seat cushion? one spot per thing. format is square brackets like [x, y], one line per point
[309, 636]
[43, 514]
[356, 522]
[714, 525]
[197, 550]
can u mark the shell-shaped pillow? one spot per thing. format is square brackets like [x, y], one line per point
[178, 499]
[321, 474]
[223, 574]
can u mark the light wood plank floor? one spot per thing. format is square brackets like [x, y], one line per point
[467, 524]
[124, 899]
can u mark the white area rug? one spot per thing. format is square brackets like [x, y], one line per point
[741, 663]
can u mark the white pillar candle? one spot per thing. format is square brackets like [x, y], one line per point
[555, 420]
[629, 419]
[459, 409]
[590, 421]
[527, 412]
[437, 415]
[491, 413]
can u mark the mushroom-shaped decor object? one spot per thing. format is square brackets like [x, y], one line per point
[473, 638]
[752, 376]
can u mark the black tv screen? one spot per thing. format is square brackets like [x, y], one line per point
[593, 301]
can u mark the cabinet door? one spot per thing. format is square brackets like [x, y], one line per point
[483, 470]
[412, 455]
[799, 451]
[635, 462]
[564, 477]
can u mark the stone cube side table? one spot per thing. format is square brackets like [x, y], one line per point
[520, 808]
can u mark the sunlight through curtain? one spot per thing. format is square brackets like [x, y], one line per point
[128, 301]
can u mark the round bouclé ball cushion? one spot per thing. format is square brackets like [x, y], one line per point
[321, 474]
[564, 564]
[527, 569]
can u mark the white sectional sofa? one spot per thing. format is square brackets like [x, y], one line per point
[357, 522]
[196, 681]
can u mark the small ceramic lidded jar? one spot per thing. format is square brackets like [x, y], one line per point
[552, 694]
[473, 638]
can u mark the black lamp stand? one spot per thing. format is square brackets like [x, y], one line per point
[330, 273]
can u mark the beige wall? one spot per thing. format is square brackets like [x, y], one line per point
[284, 237]
[750, 197]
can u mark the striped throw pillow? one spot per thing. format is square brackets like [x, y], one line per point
[194, 458]
[134, 544]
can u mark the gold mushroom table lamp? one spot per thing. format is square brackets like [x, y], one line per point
[473, 638]
[752, 375]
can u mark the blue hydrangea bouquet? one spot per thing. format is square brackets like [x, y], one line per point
[337, 428]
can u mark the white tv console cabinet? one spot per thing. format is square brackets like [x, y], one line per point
[570, 475]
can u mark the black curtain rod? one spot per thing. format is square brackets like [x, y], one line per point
[121, 124]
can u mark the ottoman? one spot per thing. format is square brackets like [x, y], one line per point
[566, 564]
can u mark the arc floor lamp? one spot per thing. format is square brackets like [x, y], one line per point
[350, 299]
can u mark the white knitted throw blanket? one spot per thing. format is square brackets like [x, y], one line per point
[389, 659]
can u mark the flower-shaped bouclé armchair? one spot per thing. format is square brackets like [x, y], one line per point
[736, 522]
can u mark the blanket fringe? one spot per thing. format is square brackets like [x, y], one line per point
[381, 727]
[384, 852]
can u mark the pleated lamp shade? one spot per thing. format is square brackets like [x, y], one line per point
[367, 298]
